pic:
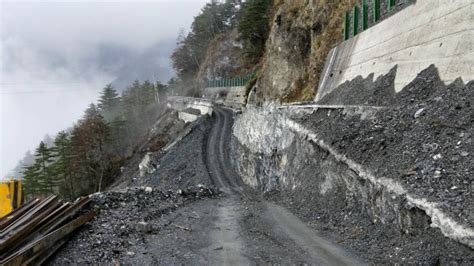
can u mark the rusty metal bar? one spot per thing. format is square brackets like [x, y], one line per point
[13, 238]
[40, 246]
[17, 213]
[27, 216]
[72, 210]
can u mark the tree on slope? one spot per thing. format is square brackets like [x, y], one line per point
[31, 182]
[62, 152]
[215, 18]
[44, 159]
[39, 178]
[109, 102]
[254, 27]
[89, 140]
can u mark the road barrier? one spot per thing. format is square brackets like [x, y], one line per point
[233, 82]
[375, 9]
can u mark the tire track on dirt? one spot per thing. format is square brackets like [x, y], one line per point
[226, 232]
[292, 232]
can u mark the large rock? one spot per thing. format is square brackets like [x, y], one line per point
[146, 165]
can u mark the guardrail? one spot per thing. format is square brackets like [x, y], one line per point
[370, 12]
[233, 82]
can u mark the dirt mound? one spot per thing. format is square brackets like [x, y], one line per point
[362, 91]
[125, 217]
[422, 141]
[425, 140]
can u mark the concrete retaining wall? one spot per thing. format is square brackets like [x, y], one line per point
[180, 103]
[187, 117]
[232, 96]
[438, 32]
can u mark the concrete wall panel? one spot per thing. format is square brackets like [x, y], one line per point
[427, 32]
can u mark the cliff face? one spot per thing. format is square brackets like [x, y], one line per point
[302, 33]
[223, 58]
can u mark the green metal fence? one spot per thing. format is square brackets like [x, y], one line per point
[355, 20]
[390, 4]
[376, 10]
[365, 15]
[233, 82]
[351, 20]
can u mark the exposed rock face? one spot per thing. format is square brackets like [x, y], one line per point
[302, 33]
[223, 58]
[286, 64]
[249, 128]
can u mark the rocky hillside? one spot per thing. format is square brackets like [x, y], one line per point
[285, 42]
[223, 58]
[302, 34]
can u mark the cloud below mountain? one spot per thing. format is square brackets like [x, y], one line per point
[56, 57]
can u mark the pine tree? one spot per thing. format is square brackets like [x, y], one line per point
[31, 182]
[44, 172]
[131, 101]
[91, 111]
[89, 140]
[215, 18]
[162, 91]
[62, 152]
[109, 102]
[254, 27]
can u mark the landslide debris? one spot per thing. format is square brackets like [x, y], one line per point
[143, 208]
[125, 217]
[423, 140]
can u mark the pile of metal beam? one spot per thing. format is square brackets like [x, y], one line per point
[35, 231]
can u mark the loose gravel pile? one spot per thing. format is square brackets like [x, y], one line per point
[140, 208]
[423, 140]
[125, 218]
[360, 91]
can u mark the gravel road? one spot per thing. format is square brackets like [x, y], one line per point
[303, 245]
[185, 221]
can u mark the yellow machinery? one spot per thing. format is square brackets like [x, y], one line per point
[11, 196]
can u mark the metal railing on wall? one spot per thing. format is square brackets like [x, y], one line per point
[369, 13]
[233, 82]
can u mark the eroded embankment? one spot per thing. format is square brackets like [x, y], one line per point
[367, 180]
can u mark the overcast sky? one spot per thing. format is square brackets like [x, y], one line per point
[48, 70]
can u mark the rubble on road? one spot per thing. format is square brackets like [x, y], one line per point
[125, 217]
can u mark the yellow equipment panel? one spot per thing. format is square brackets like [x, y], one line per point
[11, 196]
[6, 205]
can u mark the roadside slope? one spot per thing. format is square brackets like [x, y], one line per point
[392, 183]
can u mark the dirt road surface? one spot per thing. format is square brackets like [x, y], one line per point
[294, 235]
[237, 227]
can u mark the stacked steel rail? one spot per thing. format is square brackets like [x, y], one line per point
[33, 232]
